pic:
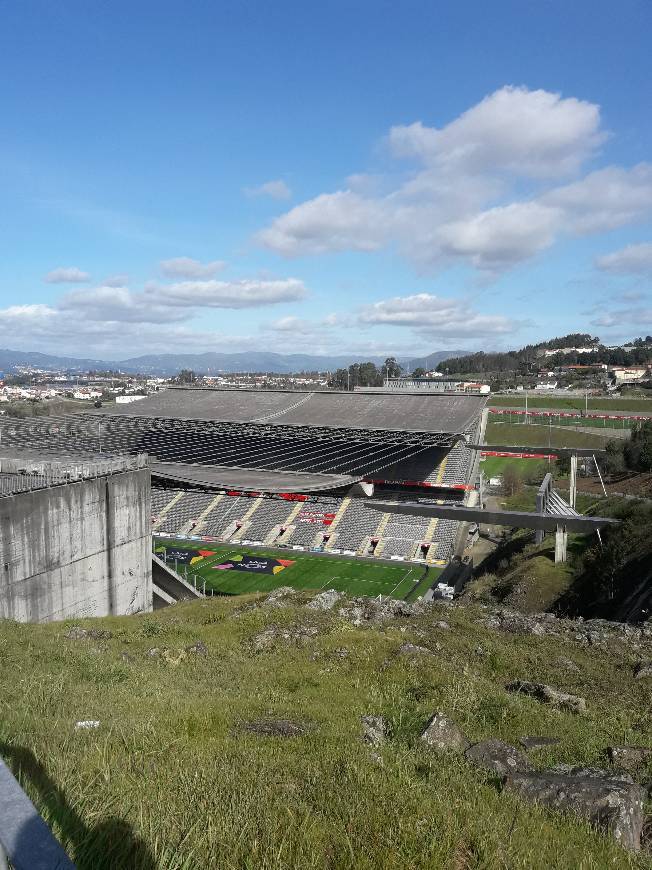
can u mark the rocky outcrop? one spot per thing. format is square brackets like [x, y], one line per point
[443, 735]
[643, 670]
[294, 635]
[548, 695]
[611, 803]
[374, 730]
[590, 632]
[325, 600]
[537, 742]
[498, 757]
[629, 758]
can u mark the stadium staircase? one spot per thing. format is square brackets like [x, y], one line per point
[246, 520]
[267, 519]
[201, 521]
[364, 547]
[164, 510]
[289, 528]
[336, 521]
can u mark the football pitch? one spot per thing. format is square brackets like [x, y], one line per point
[404, 580]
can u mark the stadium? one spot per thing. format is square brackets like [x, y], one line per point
[285, 469]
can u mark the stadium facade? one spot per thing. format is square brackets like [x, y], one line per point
[286, 468]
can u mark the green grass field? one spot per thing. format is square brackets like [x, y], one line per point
[494, 466]
[308, 571]
[584, 422]
[542, 436]
[573, 403]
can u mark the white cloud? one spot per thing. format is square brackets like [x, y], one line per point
[119, 304]
[604, 200]
[119, 280]
[630, 260]
[461, 204]
[531, 133]
[55, 330]
[276, 189]
[436, 317]
[330, 222]
[228, 294]
[293, 325]
[502, 236]
[625, 319]
[186, 267]
[67, 275]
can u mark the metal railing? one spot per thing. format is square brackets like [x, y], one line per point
[25, 474]
[25, 839]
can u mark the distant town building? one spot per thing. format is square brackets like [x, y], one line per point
[428, 385]
[123, 400]
[553, 351]
[631, 374]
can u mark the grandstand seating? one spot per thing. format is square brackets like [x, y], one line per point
[268, 514]
[358, 523]
[399, 535]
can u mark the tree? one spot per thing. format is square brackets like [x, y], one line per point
[391, 368]
[357, 375]
[419, 372]
[186, 376]
[512, 480]
[637, 452]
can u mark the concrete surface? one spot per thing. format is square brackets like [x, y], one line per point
[76, 550]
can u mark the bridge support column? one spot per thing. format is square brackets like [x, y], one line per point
[572, 495]
[561, 542]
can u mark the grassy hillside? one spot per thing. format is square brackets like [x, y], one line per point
[525, 576]
[181, 772]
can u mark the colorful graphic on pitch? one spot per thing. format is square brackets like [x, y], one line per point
[182, 556]
[256, 564]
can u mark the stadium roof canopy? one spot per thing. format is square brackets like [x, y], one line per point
[389, 411]
[267, 441]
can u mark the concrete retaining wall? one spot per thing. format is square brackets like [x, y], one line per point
[81, 549]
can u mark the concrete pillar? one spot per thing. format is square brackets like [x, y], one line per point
[573, 481]
[561, 540]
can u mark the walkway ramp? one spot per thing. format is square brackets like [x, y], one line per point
[168, 587]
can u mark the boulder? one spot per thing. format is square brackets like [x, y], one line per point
[498, 757]
[548, 695]
[296, 634]
[275, 598]
[630, 758]
[538, 742]
[614, 805]
[643, 670]
[374, 730]
[325, 600]
[569, 664]
[442, 734]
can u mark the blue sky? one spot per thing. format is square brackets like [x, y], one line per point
[331, 177]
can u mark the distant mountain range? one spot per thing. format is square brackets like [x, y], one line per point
[208, 363]
[431, 361]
